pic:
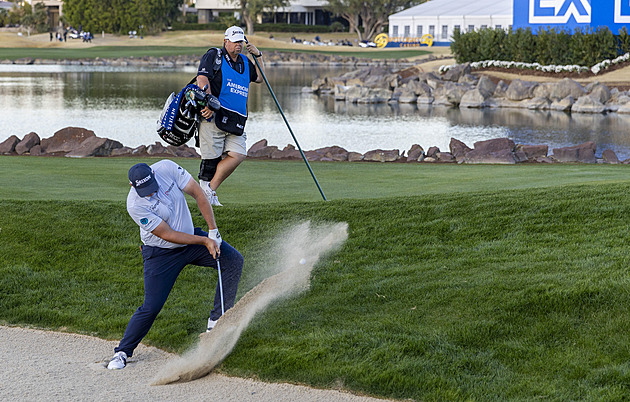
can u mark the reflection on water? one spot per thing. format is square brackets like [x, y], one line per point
[124, 104]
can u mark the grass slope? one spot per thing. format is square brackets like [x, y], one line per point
[479, 295]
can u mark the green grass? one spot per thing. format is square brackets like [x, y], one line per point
[109, 52]
[456, 282]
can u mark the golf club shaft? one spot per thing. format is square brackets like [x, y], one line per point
[220, 286]
[273, 95]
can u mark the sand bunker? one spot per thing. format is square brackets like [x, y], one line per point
[292, 260]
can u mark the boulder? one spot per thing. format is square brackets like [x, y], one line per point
[537, 103]
[519, 90]
[445, 157]
[420, 88]
[124, 151]
[141, 150]
[468, 79]
[262, 152]
[379, 155]
[376, 95]
[159, 149]
[432, 80]
[415, 153]
[532, 152]
[28, 142]
[567, 87]
[609, 156]
[257, 146]
[624, 109]
[563, 105]
[288, 153]
[456, 72]
[600, 93]
[65, 140]
[450, 94]
[587, 104]
[432, 151]
[94, 146]
[333, 153]
[501, 90]
[458, 149]
[36, 150]
[498, 150]
[7, 146]
[475, 98]
[544, 90]
[486, 85]
[355, 157]
[578, 153]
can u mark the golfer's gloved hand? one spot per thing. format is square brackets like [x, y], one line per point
[214, 234]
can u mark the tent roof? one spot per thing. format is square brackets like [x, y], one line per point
[458, 8]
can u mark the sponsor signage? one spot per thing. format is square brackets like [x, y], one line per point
[383, 40]
[572, 14]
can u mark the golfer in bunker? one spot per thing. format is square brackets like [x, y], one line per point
[157, 203]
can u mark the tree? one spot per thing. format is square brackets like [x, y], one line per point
[121, 16]
[370, 15]
[35, 17]
[250, 9]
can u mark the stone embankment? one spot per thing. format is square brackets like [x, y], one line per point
[271, 58]
[459, 88]
[75, 142]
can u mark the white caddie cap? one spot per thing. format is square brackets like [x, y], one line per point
[234, 34]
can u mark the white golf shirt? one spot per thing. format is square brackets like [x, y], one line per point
[168, 204]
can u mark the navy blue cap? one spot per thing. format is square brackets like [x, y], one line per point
[143, 180]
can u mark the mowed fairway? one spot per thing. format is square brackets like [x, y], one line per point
[456, 283]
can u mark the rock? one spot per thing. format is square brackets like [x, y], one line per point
[498, 150]
[415, 153]
[458, 149]
[445, 157]
[519, 90]
[257, 146]
[450, 94]
[379, 155]
[29, 141]
[94, 146]
[334, 153]
[355, 157]
[537, 103]
[468, 79]
[533, 152]
[141, 150]
[376, 95]
[36, 150]
[501, 90]
[544, 90]
[455, 73]
[65, 140]
[262, 152]
[420, 88]
[159, 149]
[579, 153]
[288, 153]
[475, 98]
[486, 85]
[432, 151]
[406, 96]
[563, 105]
[609, 156]
[587, 104]
[567, 87]
[351, 94]
[124, 151]
[432, 80]
[600, 93]
[7, 147]
[624, 109]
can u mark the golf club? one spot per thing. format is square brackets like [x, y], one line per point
[288, 126]
[220, 286]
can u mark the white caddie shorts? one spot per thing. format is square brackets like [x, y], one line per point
[213, 142]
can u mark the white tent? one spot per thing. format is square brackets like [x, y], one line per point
[441, 17]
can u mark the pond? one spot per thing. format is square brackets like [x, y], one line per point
[124, 103]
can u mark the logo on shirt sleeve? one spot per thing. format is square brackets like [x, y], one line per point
[144, 221]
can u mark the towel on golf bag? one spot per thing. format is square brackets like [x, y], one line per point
[181, 116]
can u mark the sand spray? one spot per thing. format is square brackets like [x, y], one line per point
[289, 266]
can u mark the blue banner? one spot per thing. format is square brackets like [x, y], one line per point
[572, 14]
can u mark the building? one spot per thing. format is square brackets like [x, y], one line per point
[54, 8]
[307, 12]
[440, 18]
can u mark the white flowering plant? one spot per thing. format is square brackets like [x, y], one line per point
[596, 69]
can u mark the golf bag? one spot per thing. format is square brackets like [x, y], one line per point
[181, 116]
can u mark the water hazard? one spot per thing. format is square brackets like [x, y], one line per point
[124, 103]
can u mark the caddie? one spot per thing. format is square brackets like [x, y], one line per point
[157, 203]
[222, 138]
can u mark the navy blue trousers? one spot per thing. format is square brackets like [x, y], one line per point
[162, 267]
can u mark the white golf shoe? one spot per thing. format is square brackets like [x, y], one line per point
[119, 361]
[211, 195]
[211, 324]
